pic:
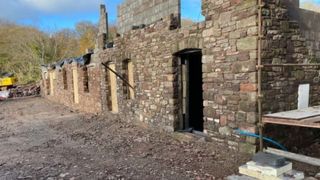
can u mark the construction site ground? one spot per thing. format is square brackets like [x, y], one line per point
[43, 140]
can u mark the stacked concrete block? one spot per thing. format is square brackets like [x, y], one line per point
[270, 167]
[135, 13]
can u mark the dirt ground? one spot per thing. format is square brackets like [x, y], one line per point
[43, 140]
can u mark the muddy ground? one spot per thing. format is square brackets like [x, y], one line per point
[43, 140]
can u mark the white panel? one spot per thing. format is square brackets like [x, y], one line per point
[298, 113]
[303, 96]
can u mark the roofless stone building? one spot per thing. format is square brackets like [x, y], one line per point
[204, 76]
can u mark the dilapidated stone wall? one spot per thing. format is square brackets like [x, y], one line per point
[137, 12]
[287, 41]
[89, 101]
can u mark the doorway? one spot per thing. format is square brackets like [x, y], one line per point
[191, 87]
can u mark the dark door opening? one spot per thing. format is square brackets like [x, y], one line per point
[192, 94]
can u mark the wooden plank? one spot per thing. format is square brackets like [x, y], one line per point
[113, 89]
[288, 122]
[51, 83]
[131, 79]
[312, 120]
[293, 156]
[75, 84]
[297, 114]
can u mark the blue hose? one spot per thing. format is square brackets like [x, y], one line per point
[245, 133]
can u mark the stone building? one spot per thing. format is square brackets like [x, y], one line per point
[204, 76]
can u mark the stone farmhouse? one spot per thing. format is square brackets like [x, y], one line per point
[215, 76]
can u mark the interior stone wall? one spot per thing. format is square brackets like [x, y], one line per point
[309, 24]
[137, 12]
[286, 41]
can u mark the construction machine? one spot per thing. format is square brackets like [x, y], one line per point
[7, 81]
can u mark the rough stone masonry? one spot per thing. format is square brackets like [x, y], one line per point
[156, 60]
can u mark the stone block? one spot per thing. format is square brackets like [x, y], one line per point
[248, 127]
[248, 43]
[223, 120]
[252, 117]
[269, 170]
[247, 22]
[235, 35]
[248, 87]
[251, 140]
[295, 175]
[244, 66]
[226, 131]
[247, 106]
[246, 4]
[241, 116]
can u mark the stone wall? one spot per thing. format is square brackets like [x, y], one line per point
[88, 101]
[137, 12]
[286, 42]
[309, 24]
[229, 61]
[228, 41]
[150, 49]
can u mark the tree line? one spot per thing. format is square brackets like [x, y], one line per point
[23, 49]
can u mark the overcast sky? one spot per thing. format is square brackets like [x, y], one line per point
[58, 14]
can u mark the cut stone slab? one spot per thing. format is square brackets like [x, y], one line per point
[298, 113]
[291, 175]
[268, 159]
[269, 170]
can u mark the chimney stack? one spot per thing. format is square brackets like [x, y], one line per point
[103, 27]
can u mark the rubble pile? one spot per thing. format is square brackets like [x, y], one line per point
[25, 90]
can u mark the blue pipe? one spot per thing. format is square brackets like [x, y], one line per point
[245, 133]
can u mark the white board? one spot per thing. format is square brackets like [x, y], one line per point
[303, 96]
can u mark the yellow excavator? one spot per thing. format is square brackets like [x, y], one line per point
[7, 81]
